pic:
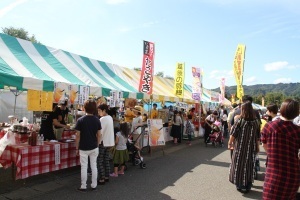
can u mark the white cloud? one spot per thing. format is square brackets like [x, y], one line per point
[278, 66]
[125, 29]
[116, 2]
[251, 80]
[218, 74]
[282, 80]
[11, 6]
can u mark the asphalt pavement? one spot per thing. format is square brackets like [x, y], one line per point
[173, 172]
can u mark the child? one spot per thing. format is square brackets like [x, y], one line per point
[121, 153]
[189, 128]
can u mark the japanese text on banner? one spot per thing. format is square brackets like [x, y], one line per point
[146, 79]
[179, 80]
[196, 84]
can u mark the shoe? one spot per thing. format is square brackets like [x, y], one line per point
[81, 190]
[94, 189]
[142, 159]
[106, 179]
[190, 144]
[113, 175]
[120, 173]
[101, 182]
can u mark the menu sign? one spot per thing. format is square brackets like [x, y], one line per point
[84, 92]
[163, 114]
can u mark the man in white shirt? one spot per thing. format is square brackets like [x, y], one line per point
[107, 141]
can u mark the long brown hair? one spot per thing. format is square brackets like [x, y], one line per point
[247, 111]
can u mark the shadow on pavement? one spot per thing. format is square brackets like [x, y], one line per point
[162, 172]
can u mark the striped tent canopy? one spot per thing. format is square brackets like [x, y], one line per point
[163, 88]
[27, 65]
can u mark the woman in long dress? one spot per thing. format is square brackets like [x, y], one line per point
[244, 137]
[281, 141]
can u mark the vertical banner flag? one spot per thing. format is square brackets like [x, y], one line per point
[222, 89]
[238, 68]
[146, 79]
[179, 80]
[240, 91]
[196, 84]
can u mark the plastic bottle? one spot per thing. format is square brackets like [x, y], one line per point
[38, 139]
[42, 139]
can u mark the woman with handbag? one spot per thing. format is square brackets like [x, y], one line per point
[244, 138]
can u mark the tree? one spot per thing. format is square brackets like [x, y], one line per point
[137, 69]
[19, 33]
[160, 74]
[169, 77]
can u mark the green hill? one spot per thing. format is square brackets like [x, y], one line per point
[271, 92]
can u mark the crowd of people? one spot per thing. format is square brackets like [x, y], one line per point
[279, 136]
[278, 131]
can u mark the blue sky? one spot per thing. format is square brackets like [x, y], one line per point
[201, 33]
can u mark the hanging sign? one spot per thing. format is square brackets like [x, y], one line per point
[73, 94]
[60, 90]
[84, 92]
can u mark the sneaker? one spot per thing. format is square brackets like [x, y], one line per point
[113, 175]
[94, 189]
[81, 190]
[121, 173]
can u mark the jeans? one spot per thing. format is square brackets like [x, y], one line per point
[92, 154]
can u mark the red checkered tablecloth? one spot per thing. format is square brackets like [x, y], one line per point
[34, 160]
[67, 134]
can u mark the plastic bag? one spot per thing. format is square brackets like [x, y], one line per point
[8, 138]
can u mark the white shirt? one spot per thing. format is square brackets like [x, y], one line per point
[135, 121]
[224, 118]
[107, 131]
[122, 142]
[297, 120]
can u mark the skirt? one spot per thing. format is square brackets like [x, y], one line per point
[121, 156]
[176, 131]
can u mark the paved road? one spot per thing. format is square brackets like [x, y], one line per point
[183, 172]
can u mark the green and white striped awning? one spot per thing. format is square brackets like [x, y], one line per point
[26, 65]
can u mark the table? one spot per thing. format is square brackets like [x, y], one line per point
[67, 134]
[34, 160]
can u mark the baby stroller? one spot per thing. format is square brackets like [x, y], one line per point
[216, 136]
[134, 150]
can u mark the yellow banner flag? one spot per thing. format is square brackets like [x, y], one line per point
[179, 80]
[240, 91]
[238, 64]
